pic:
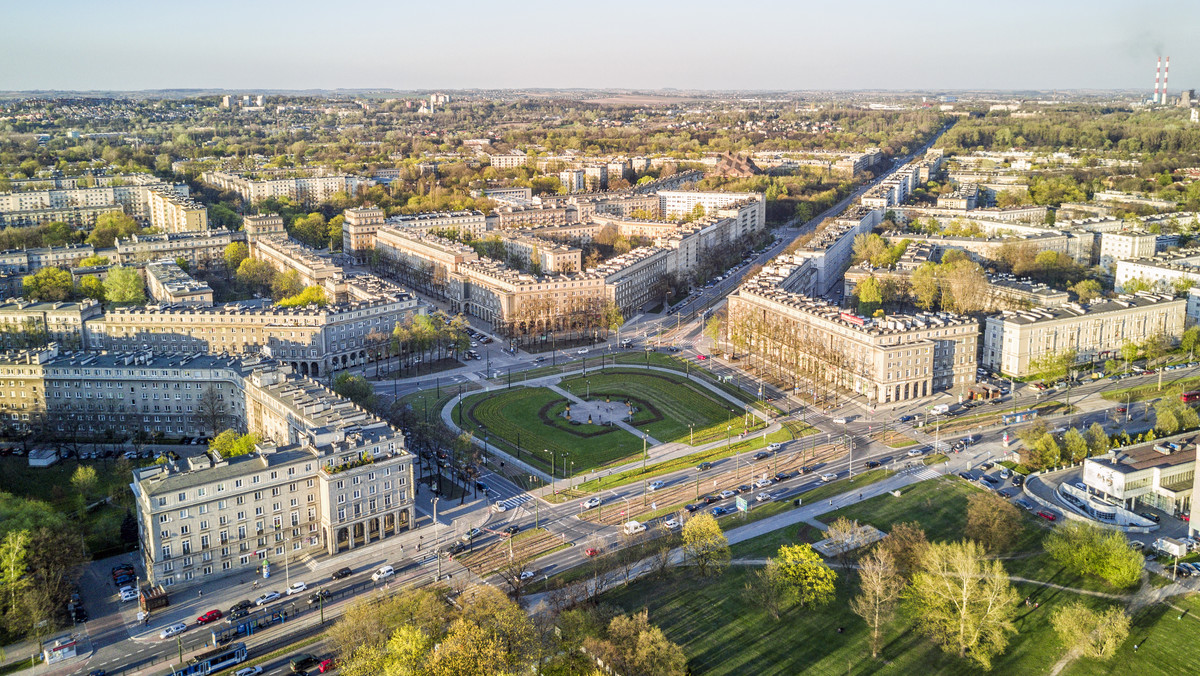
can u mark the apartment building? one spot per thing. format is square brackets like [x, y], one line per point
[358, 232]
[204, 249]
[573, 180]
[965, 197]
[171, 213]
[636, 279]
[509, 194]
[264, 225]
[168, 283]
[164, 206]
[325, 478]
[886, 360]
[681, 203]
[474, 223]
[509, 160]
[596, 177]
[547, 256]
[529, 216]
[1014, 340]
[284, 254]
[31, 260]
[26, 323]
[509, 298]
[309, 190]
[1115, 246]
[1162, 271]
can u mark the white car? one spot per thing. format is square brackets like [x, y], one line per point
[582, 350]
[762, 483]
[266, 598]
[248, 671]
[762, 497]
[296, 588]
[655, 485]
[526, 575]
[128, 595]
[914, 452]
[828, 477]
[774, 446]
[172, 630]
[839, 421]
[591, 503]
[728, 494]
[383, 573]
[671, 523]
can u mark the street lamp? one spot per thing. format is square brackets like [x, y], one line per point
[645, 454]
[546, 450]
[436, 539]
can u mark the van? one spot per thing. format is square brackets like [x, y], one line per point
[633, 528]
[383, 573]
[171, 630]
[303, 661]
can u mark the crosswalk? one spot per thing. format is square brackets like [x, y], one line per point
[512, 503]
[923, 473]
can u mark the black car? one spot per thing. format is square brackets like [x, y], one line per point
[81, 615]
[709, 499]
[240, 605]
[341, 573]
[1018, 479]
[692, 508]
[512, 529]
[761, 455]
[236, 615]
[807, 469]
[965, 476]
[318, 596]
[1149, 515]
[704, 466]
[872, 464]
[782, 476]
[745, 488]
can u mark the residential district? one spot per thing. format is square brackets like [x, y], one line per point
[573, 386]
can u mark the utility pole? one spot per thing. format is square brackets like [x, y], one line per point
[437, 545]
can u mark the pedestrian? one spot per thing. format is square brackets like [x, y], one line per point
[830, 502]
[199, 592]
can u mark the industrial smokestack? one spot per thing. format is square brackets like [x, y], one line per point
[1157, 76]
[1166, 72]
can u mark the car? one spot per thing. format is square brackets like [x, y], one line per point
[671, 523]
[124, 580]
[673, 348]
[248, 671]
[720, 511]
[761, 455]
[872, 464]
[725, 494]
[774, 446]
[171, 630]
[907, 418]
[297, 587]
[828, 476]
[966, 475]
[1018, 479]
[342, 573]
[782, 476]
[592, 502]
[1025, 504]
[210, 616]
[704, 465]
[745, 488]
[318, 596]
[913, 453]
[1080, 485]
[701, 357]
[1121, 409]
[987, 465]
[1047, 515]
[235, 615]
[692, 508]
[762, 483]
[240, 605]
[591, 551]
[655, 485]
[709, 499]
[840, 421]
[582, 350]
[762, 497]
[538, 360]
[1185, 516]
[1149, 515]
[303, 661]
[97, 672]
[128, 595]
[266, 598]
[526, 575]
[383, 573]
[512, 530]
[471, 534]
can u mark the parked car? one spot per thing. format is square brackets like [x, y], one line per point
[128, 595]
[266, 598]
[341, 573]
[1149, 515]
[1047, 515]
[383, 573]
[1025, 504]
[210, 616]
[671, 523]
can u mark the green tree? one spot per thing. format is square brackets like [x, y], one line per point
[355, 388]
[1086, 549]
[111, 226]
[47, 284]
[1136, 284]
[84, 480]
[1087, 290]
[963, 601]
[1077, 445]
[992, 521]
[1188, 342]
[1097, 439]
[1053, 366]
[704, 545]
[1093, 633]
[90, 286]
[124, 286]
[1129, 352]
[235, 253]
[14, 579]
[255, 274]
[93, 261]
[312, 230]
[805, 575]
[335, 232]
[311, 295]
[286, 284]
[925, 285]
[870, 297]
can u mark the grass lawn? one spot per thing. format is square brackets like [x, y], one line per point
[936, 459]
[430, 402]
[1167, 644]
[722, 631]
[666, 404]
[522, 418]
[989, 418]
[1170, 387]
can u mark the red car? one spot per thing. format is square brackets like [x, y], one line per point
[327, 665]
[591, 551]
[1047, 516]
[701, 357]
[1120, 409]
[1186, 516]
[210, 616]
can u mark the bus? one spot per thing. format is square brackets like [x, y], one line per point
[214, 660]
[1189, 397]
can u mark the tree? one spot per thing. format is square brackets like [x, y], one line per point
[235, 253]
[84, 480]
[844, 533]
[925, 285]
[111, 226]
[90, 286]
[211, 410]
[635, 647]
[286, 284]
[906, 542]
[1077, 445]
[93, 261]
[124, 286]
[1093, 633]
[1097, 438]
[962, 601]
[229, 444]
[1190, 337]
[1087, 549]
[1129, 352]
[992, 521]
[312, 230]
[704, 545]
[255, 274]
[47, 284]
[805, 575]
[868, 247]
[1053, 366]
[712, 329]
[766, 588]
[355, 388]
[311, 295]
[13, 578]
[870, 297]
[880, 587]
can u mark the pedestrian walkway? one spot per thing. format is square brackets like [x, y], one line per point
[512, 503]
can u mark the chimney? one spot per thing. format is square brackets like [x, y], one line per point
[1157, 74]
[1166, 72]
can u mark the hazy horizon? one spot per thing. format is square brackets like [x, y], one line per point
[701, 45]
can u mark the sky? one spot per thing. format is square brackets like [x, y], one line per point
[648, 44]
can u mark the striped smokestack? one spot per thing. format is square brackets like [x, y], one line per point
[1166, 72]
[1157, 76]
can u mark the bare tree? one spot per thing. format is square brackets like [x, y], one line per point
[880, 588]
[212, 410]
[516, 573]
